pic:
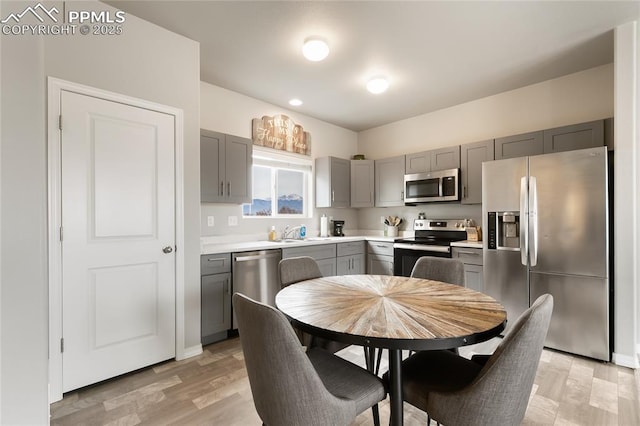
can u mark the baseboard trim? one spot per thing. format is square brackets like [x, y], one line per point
[625, 360]
[189, 352]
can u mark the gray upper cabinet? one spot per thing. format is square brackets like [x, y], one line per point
[362, 183]
[333, 182]
[445, 158]
[419, 162]
[519, 145]
[389, 174]
[225, 168]
[472, 155]
[433, 160]
[576, 136]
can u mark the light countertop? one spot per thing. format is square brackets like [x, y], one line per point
[467, 244]
[230, 247]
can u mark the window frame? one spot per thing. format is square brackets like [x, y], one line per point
[275, 160]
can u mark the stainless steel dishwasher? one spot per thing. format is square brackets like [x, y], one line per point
[255, 274]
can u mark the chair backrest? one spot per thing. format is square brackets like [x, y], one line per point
[286, 388]
[296, 269]
[440, 269]
[500, 394]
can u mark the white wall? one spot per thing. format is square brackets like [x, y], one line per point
[147, 62]
[627, 227]
[23, 321]
[229, 112]
[574, 98]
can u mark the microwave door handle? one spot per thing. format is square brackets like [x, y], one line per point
[524, 225]
[440, 189]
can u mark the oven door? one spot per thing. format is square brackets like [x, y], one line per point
[405, 256]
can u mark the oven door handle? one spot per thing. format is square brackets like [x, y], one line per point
[422, 247]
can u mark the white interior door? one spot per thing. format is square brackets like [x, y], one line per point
[118, 236]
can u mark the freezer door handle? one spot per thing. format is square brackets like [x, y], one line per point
[533, 221]
[524, 231]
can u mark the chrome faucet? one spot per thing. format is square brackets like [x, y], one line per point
[295, 231]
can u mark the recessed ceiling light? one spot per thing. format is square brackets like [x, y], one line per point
[315, 49]
[377, 85]
[295, 102]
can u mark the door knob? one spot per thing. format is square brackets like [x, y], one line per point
[167, 249]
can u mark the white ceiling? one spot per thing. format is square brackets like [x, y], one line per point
[435, 53]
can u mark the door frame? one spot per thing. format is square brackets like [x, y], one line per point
[55, 87]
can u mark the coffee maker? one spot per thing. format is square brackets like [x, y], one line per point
[338, 226]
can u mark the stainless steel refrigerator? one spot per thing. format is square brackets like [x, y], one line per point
[546, 231]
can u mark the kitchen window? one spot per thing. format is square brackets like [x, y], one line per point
[280, 186]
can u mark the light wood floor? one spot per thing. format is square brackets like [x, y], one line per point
[213, 389]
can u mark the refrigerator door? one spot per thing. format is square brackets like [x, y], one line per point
[579, 323]
[505, 277]
[501, 185]
[568, 212]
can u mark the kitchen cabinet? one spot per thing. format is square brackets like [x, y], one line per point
[576, 136]
[215, 297]
[225, 168]
[519, 145]
[433, 160]
[472, 155]
[324, 255]
[350, 258]
[472, 260]
[362, 183]
[389, 181]
[379, 258]
[333, 178]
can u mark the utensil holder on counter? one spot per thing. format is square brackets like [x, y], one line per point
[391, 231]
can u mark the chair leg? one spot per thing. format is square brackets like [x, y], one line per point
[376, 415]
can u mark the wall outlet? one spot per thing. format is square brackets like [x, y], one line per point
[209, 220]
[233, 220]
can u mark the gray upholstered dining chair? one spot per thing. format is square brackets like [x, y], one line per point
[486, 390]
[440, 269]
[291, 386]
[293, 270]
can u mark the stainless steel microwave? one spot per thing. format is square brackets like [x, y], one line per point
[443, 185]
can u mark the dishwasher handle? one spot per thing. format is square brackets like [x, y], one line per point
[257, 257]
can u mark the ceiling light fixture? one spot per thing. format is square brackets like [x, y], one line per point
[377, 85]
[315, 48]
[295, 102]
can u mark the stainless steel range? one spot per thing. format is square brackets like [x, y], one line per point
[432, 238]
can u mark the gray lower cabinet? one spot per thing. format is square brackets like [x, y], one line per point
[389, 176]
[362, 183]
[215, 297]
[350, 258]
[472, 259]
[225, 168]
[324, 255]
[379, 258]
[333, 182]
[576, 136]
[519, 145]
[472, 155]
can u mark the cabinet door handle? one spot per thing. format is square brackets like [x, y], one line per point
[221, 188]
[229, 189]
[333, 195]
[464, 191]
[229, 287]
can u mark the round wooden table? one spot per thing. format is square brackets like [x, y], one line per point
[393, 313]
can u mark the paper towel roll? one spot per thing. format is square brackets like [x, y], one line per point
[324, 227]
